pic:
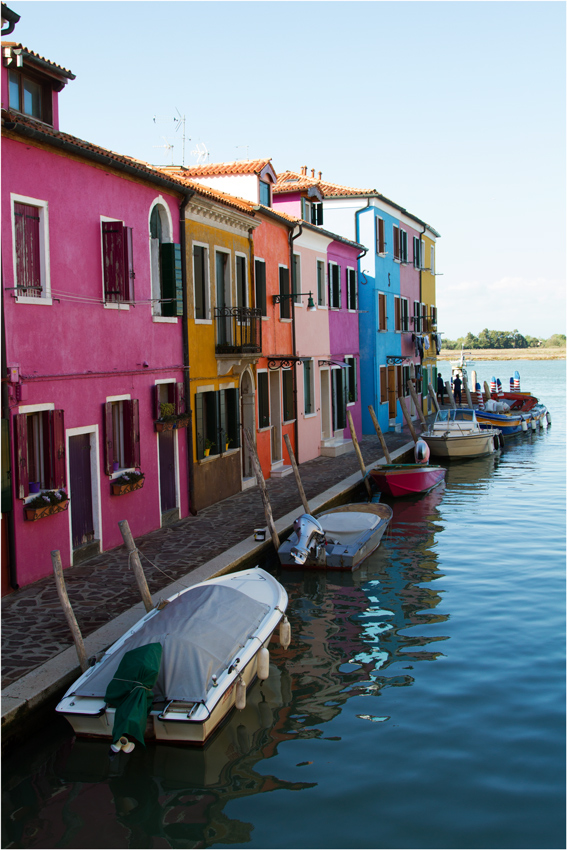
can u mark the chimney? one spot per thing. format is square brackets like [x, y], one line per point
[312, 172]
[320, 175]
[303, 170]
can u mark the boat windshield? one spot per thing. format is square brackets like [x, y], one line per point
[456, 416]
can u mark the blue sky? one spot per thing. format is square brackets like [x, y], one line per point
[455, 110]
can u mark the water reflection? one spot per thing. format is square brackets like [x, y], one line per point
[352, 634]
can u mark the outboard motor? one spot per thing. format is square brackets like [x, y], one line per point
[421, 452]
[309, 532]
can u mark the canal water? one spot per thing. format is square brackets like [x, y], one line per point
[421, 703]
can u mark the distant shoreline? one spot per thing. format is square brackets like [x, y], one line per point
[478, 354]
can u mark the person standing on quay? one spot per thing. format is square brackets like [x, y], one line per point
[440, 389]
[457, 384]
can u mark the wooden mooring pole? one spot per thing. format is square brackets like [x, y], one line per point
[68, 611]
[262, 485]
[417, 404]
[450, 394]
[359, 455]
[380, 434]
[433, 397]
[407, 417]
[467, 390]
[296, 473]
[134, 559]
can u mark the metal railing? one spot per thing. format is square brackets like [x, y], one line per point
[238, 330]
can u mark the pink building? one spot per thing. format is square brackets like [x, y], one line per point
[94, 349]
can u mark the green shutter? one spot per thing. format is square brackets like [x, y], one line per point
[171, 279]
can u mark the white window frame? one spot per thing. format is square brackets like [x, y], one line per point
[112, 399]
[312, 388]
[109, 305]
[246, 280]
[403, 245]
[323, 262]
[261, 260]
[44, 256]
[290, 300]
[154, 273]
[353, 358]
[405, 325]
[379, 219]
[330, 287]
[267, 427]
[348, 283]
[208, 314]
[297, 301]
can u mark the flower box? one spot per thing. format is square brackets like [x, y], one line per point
[164, 426]
[33, 514]
[121, 489]
[179, 421]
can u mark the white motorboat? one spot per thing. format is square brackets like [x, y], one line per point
[213, 637]
[338, 539]
[457, 434]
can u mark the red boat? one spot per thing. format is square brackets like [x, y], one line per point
[407, 479]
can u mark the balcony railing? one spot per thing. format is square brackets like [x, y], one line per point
[421, 324]
[238, 330]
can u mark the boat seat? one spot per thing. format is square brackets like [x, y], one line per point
[348, 526]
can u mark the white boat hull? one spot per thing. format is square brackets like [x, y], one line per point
[462, 445]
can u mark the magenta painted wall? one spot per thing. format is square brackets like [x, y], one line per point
[75, 353]
[343, 325]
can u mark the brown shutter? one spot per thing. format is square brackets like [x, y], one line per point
[381, 240]
[131, 432]
[399, 380]
[108, 437]
[383, 385]
[21, 450]
[396, 243]
[156, 400]
[129, 274]
[57, 465]
[398, 313]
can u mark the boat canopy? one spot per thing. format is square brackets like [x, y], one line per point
[202, 630]
[450, 415]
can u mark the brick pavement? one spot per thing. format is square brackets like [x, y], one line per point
[34, 628]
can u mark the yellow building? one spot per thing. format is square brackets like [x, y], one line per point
[428, 298]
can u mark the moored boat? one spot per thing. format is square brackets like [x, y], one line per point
[338, 539]
[207, 643]
[457, 434]
[407, 479]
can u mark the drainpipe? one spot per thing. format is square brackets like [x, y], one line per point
[291, 239]
[186, 376]
[9, 515]
[357, 238]
[420, 297]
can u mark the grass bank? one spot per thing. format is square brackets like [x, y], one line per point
[505, 354]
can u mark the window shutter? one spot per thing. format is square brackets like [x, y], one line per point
[57, 465]
[21, 435]
[180, 398]
[28, 274]
[285, 306]
[200, 425]
[199, 281]
[222, 421]
[128, 294]
[171, 279]
[108, 438]
[396, 242]
[113, 258]
[260, 275]
[339, 288]
[131, 432]
[156, 401]
[381, 235]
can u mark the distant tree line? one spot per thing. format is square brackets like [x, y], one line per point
[504, 339]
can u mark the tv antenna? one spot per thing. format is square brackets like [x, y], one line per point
[167, 146]
[243, 146]
[200, 152]
[178, 122]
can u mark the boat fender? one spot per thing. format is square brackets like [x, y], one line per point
[285, 633]
[421, 452]
[524, 425]
[501, 439]
[240, 700]
[263, 669]
[534, 424]
[548, 417]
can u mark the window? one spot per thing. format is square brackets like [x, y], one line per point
[317, 213]
[241, 288]
[320, 283]
[260, 280]
[334, 286]
[416, 317]
[351, 379]
[305, 209]
[285, 303]
[397, 314]
[40, 451]
[382, 319]
[201, 282]
[287, 392]
[405, 380]
[424, 322]
[383, 385]
[265, 195]
[31, 266]
[121, 434]
[296, 277]
[396, 235]
[404, 306]
[169, 398]
[222, 281]
[380, 237]
[403, 246]
[263, 400]
[217, 421]
[399, 380]
[339, 395]
[352, 292]
[118, 264]
[416, 252]
[165, 257]
[433, 316]
[308, 388]
[30, 97]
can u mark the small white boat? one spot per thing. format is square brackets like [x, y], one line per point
[457, 434]
[338, 539]
[213, 639]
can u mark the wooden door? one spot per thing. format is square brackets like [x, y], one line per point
[167, 470]
[392, 396]
[81, 503]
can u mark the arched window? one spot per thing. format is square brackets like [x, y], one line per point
[165, 256]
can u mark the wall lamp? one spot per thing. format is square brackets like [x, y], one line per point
[311, 306]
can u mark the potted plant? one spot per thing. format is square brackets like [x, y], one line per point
[208, 446]
[169, 419]
[127, 482]
[46, 504]
[227, 441]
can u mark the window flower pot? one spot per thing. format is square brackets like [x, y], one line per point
[164, 426]
[33, 514]
[121, 489]
[34, 487]
[206, 452]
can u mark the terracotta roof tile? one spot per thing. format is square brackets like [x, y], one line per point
[290, 181]
[233, 201]
[220, 169]
[31, 53]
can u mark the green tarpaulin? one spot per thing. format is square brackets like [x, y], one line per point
[131, 690]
